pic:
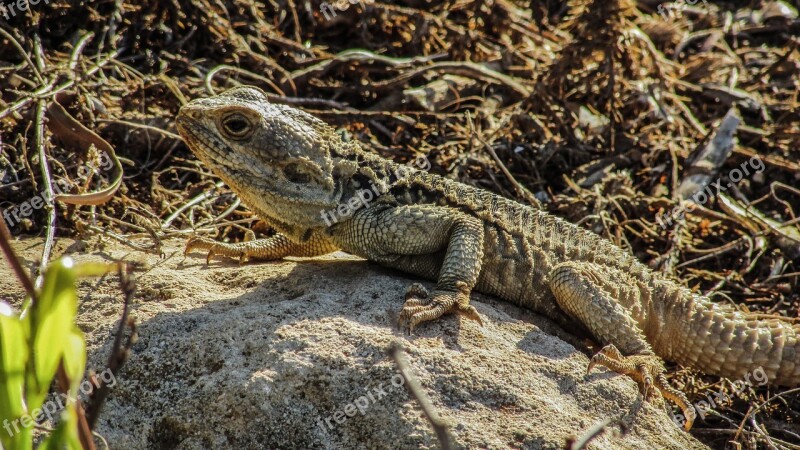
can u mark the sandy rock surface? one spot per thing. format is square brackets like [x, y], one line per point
[293, 354]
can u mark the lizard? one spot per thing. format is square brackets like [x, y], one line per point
[294, 171]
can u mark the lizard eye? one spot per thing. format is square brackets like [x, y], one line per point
[236, 126]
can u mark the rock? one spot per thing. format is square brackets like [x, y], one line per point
[293, 354]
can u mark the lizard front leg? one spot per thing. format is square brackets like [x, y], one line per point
[275, 247]
[431, 241]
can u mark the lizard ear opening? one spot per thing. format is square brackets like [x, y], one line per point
[295, 174]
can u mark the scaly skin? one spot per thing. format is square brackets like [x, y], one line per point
[296, 172]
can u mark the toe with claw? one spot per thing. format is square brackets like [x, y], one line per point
[648, 372]
[213, 247]
[421, 307]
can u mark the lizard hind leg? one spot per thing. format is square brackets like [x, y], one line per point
[587, 292]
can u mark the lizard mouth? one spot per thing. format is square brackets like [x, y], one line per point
[213, 151]
[200, 140]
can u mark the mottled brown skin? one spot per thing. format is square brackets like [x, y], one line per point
[292, 168]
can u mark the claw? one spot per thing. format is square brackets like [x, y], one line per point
[647, 381]
[648, 372]
[472, 314]
[201, 243]
[607, 356]
[420, 307]
[190, 245]
[592, 364]
[416, 300]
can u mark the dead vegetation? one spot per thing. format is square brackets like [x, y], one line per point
[601, 110]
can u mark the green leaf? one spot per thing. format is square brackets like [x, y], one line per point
[52, 319]
[13, 359]
[94, 269]
[75, 359]
[31, 350]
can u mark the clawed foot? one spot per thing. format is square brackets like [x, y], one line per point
[218, 248]
[648, 372]
[420, 307]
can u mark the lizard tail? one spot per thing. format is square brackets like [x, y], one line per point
[719, 340]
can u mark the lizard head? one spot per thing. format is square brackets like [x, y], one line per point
[278, 159]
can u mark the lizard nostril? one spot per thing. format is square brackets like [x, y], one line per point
[190, 113]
